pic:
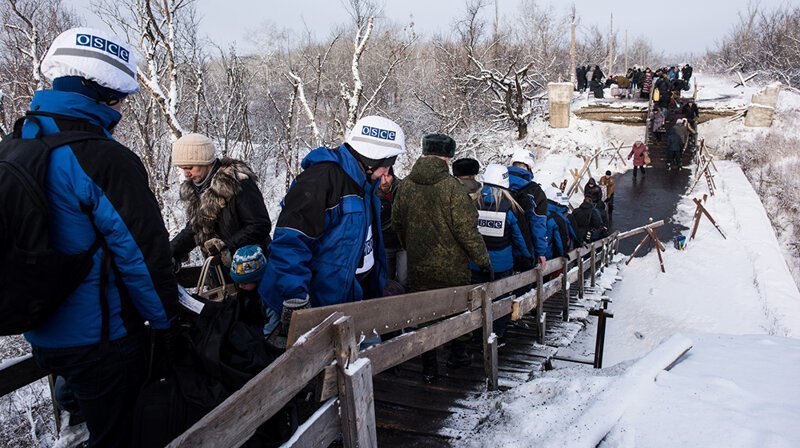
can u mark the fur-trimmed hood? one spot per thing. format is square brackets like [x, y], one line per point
[204, 209]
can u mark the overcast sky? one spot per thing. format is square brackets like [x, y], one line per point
[674, 26]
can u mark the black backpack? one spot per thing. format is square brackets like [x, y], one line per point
[532, 200]
[562, 230]
[34, 278]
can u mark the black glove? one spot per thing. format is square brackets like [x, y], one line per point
[524, 264]
[162, 351]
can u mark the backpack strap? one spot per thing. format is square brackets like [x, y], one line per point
[59, 139]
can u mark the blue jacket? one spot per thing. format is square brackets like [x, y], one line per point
[521, 180]
[564, 213]
[502, 249]
[319, 238]
[110, 179]
[556, 246]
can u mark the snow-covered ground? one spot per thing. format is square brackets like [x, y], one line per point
[734, 298]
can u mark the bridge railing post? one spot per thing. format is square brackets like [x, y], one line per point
[489, 341]
[593, 264]
[540, 317]
[581, 274]
[356, 399]
[565, 290]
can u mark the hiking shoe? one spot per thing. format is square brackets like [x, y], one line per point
[501, 341]
[459, 359]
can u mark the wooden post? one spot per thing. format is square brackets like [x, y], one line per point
[593, 278]
[565, 290]
[489, 343]
[540, 303]
[51, 381]
[356, 399]
[639, 246]
[581, 276]
[658, 247]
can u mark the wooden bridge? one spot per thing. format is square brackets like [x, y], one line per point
[376, 396]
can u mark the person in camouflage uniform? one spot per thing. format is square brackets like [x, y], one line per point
[436, 221]
[437, 224]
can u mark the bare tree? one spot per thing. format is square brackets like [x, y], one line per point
[29, 26]
[511, 85]
[766, 41]
[154, 24]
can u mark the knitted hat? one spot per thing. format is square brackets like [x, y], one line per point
[466, 167]
[438, 145]
[248, 264]
[193, 149]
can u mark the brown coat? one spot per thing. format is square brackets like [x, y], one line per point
[610, 183]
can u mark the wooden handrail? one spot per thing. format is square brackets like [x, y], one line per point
[234, 421]
[19, 372]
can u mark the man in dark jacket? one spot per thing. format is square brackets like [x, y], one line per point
[224, 206]
[674, 149]
[593, 191]
[98, 190]
[686, 73]
[437, 223]
[586, 222]
[328, 244]
[395, 255]
[466, 170]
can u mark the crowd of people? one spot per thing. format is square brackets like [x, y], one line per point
[349, 230]
[668, 81]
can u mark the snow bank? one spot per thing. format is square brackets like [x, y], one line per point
[593, 424]
[727, 391]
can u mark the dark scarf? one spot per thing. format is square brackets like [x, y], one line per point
[199, 188]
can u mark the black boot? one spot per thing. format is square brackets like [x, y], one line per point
[459, 356]
[430, 367]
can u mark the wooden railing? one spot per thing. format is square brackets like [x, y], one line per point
[323, 345]
[323, 349]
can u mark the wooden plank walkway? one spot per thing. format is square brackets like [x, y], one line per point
[413, 413]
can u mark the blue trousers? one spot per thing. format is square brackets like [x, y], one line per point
[105, 383]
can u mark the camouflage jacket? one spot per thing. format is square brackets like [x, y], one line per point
[438, 225]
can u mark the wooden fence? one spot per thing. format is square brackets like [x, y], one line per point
[323, 350]
[323, 344]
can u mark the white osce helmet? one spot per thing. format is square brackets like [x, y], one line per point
[524, 156]
[552, 193]
[377, 138]
[94, 55]
[556, 195]
[495, 174]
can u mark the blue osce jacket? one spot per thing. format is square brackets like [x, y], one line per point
[111, 180]
[502, 249]
[521, 181]
[319, 239]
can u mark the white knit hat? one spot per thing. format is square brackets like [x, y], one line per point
[193, 149]
[94, 55]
